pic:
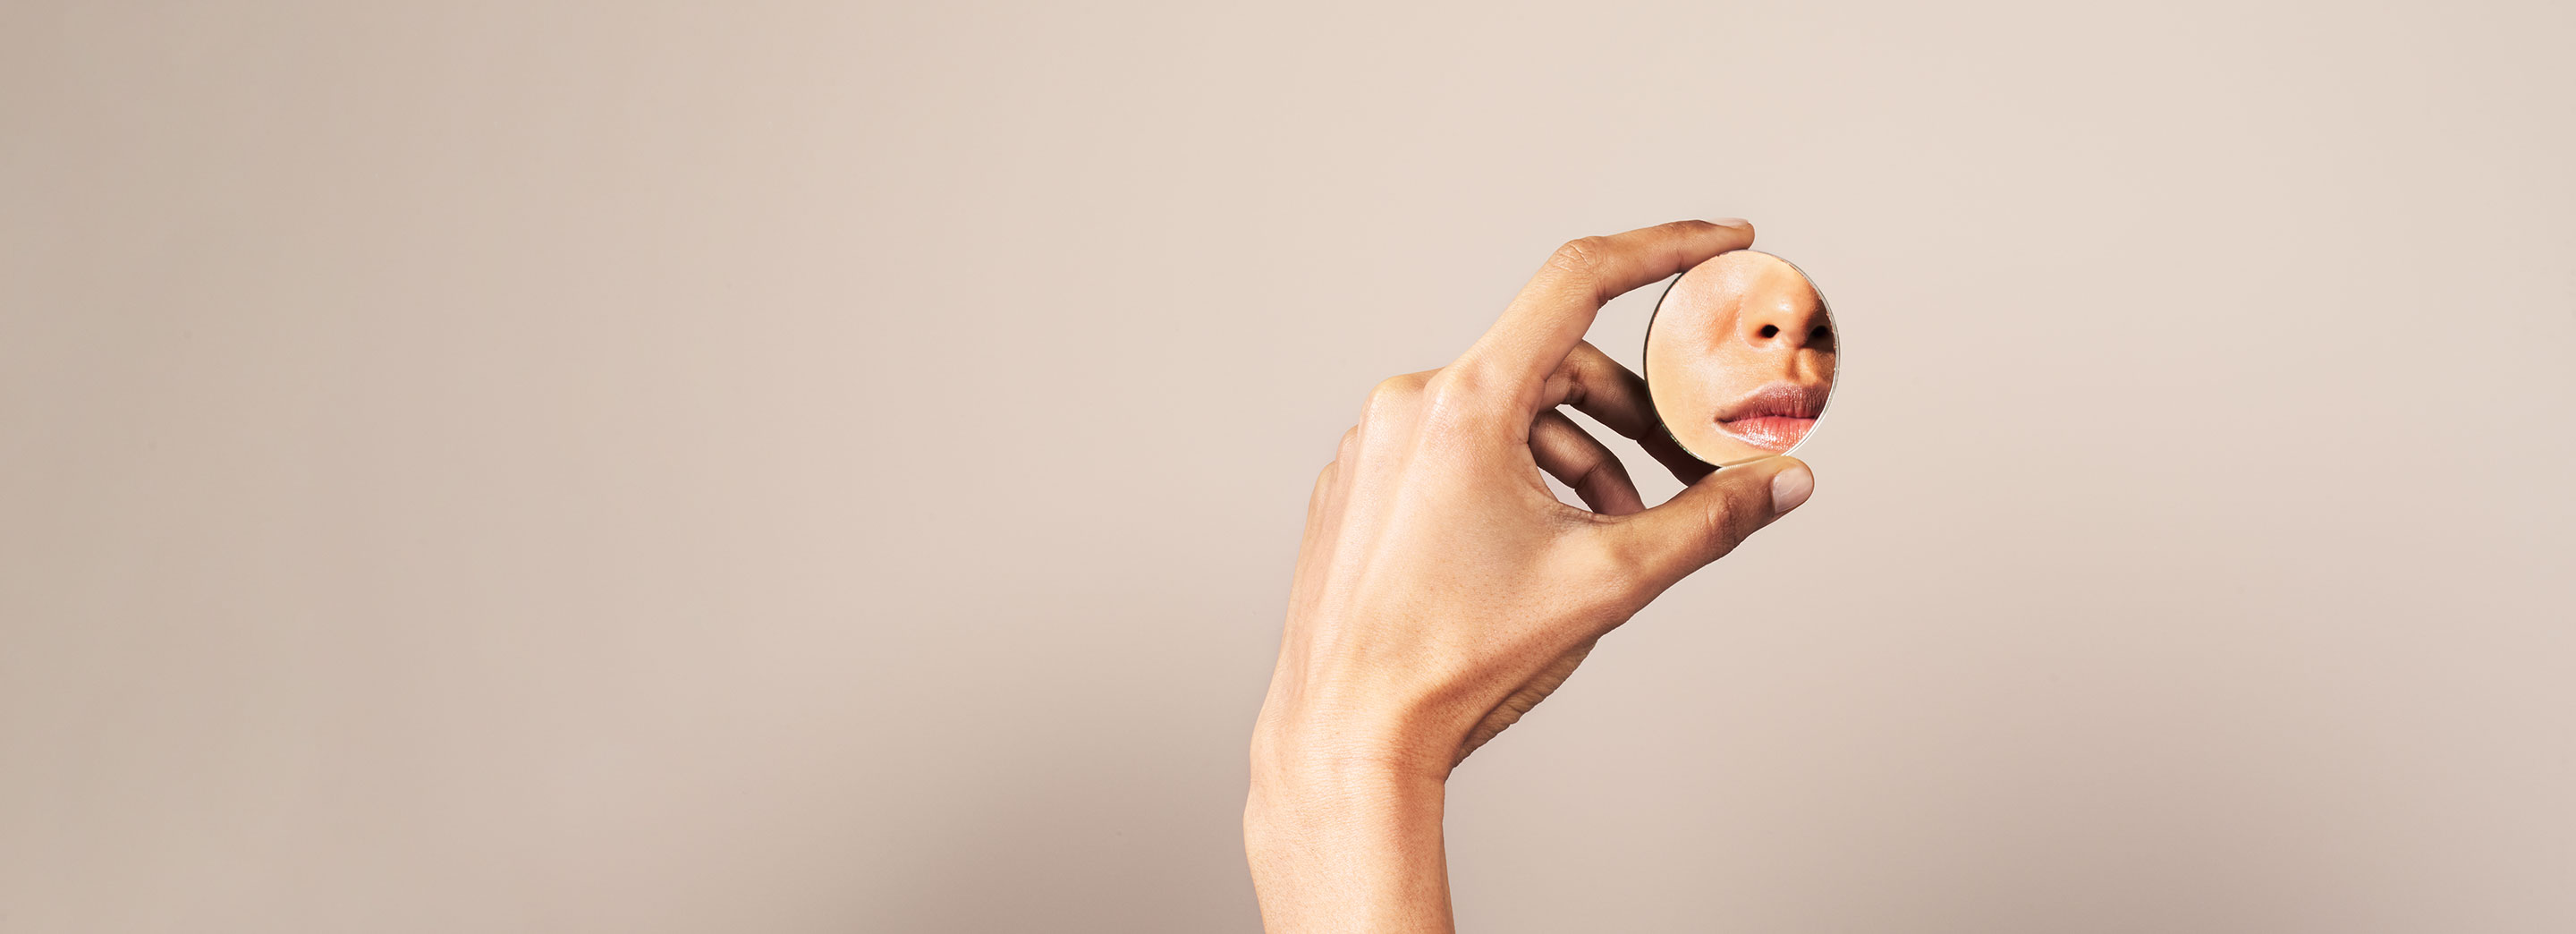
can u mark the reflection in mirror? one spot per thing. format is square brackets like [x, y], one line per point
[1740, 357]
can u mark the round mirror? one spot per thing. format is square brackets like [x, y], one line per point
[1740, 357]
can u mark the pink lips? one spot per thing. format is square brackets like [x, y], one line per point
[1775, 417]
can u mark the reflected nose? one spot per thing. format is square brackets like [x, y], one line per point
[1785, 327]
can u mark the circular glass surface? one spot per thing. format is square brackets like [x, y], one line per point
[1740, 357]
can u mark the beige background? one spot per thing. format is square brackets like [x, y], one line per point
[509, 467]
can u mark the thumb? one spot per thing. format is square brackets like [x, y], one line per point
[1708, 519]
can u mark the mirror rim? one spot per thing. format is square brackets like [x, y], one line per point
[1645, 358]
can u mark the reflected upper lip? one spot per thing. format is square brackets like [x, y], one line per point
[1786, 400]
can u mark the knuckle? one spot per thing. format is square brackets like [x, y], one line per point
[1449, 398]
[1389, 397]
[1450, 383]
[1582, 365]
[1395, 404]
[1580, 257]
[1717, 523]
[1727, 522]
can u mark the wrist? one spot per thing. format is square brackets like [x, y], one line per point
[1342, 825]
[1286, 787]
[1347, 844]
[1294, 813]
[1306, 741]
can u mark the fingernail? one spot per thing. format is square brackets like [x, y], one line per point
[1730, 222]
[1791, 487]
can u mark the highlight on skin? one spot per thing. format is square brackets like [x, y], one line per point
[1740, 357]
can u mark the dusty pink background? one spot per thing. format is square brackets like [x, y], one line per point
[626, 468]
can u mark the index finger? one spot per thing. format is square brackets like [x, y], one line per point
[1552, 313]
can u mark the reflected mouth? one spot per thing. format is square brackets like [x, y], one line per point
[1775, 417]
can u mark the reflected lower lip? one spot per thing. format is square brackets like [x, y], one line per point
[1775, 417]
[1774, 433]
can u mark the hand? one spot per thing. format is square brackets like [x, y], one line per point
[1442, 590]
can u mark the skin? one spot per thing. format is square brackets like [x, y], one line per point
[1730, 326]
[1442, 590]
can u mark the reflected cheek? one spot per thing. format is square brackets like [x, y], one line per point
[1726, 376]
[1676, 401]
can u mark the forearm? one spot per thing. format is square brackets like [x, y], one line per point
[1346, 849]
